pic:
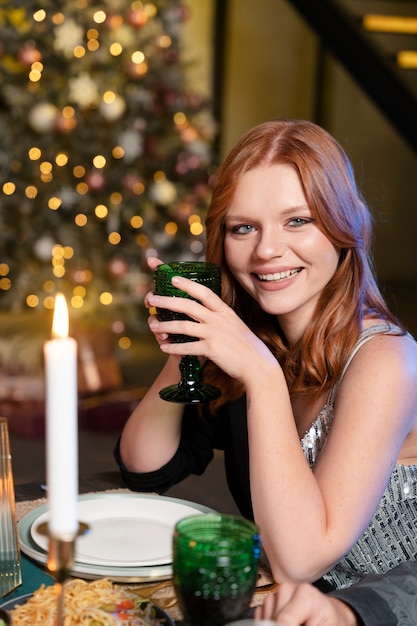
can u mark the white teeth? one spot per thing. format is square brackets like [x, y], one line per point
[278, 275]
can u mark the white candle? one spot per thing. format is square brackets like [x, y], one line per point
[61, 425]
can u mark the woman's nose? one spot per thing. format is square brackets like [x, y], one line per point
[270, 244]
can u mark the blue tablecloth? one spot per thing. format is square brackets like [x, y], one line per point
[33, 577]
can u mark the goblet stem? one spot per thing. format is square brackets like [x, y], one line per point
[190, 389]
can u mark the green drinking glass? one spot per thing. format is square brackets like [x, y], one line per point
[190, 388]
[215, 567]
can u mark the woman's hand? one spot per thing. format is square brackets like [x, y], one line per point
[223, 337]
[304, 605]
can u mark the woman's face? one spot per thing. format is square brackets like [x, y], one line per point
[274, 248]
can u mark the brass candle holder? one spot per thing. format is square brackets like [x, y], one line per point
[60, 563]
[61, 557]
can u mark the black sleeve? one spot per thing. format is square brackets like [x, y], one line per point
[384, 599]
[199, 437]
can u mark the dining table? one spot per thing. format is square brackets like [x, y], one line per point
[29, 496]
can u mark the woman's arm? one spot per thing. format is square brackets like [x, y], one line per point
[199, 437]
[151, 435]
[308, 520]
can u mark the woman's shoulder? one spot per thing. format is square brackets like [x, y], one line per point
[380, 383]
[384, 347]
[384, 352]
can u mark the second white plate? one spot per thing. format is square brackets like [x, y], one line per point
[124, 531]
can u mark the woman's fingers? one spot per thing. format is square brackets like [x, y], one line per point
[153, 262]
[153, 325]
[194, 289]
[205, 300]
[146, 300]
[274, 602]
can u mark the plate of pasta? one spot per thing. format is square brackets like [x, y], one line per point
[87, 604]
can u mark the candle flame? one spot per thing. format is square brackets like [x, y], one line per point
[60, 322]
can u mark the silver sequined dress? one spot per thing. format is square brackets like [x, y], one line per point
[391, 537]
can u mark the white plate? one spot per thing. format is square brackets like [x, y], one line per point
[92, 571]
[123, 532]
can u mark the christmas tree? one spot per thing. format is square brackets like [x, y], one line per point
[105, 154]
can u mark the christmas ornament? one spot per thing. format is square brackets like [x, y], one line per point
[43, 248]
[137, 17]
[83, 90]
[29, 55]
[113, 109]
[42, 117]
[164, 192]
[96, 181]
[67, 36]
[118, 267]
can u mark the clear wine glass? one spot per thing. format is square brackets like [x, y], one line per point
[190, 388]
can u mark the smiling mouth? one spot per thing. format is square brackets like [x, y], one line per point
[278, 275]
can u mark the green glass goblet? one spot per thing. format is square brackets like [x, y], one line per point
[215, 567]
[190, 388]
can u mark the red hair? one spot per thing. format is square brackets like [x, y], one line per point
[314, 364]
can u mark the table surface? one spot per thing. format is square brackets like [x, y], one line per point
[35, 574]
[87, 484]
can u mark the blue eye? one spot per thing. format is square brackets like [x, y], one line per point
[299, 221]
[242, 229]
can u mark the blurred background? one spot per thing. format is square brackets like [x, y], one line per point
[114, 115]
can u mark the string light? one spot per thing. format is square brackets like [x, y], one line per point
[124, 343]
[54, 203]
[101, 211]
[9, 188]
[32, 301]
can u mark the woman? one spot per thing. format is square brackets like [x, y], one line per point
[304, 349]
